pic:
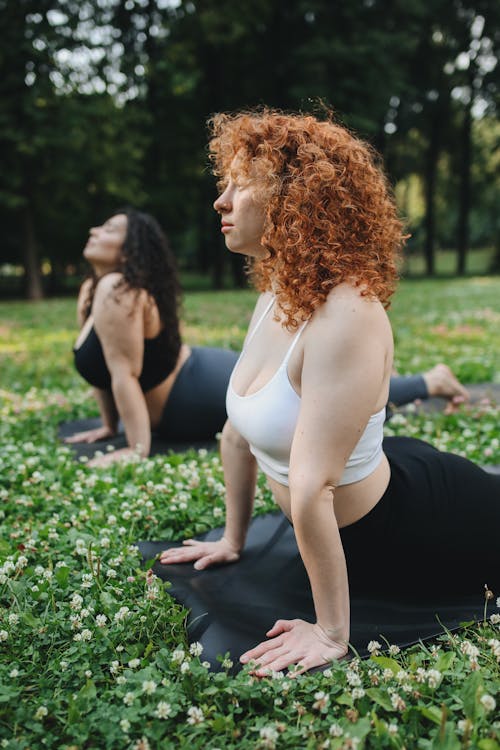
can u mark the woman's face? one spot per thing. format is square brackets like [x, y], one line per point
[242, 218]
[104, 247]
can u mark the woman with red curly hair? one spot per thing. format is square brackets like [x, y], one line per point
[305, 200]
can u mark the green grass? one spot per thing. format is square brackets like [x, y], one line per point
[69, 679]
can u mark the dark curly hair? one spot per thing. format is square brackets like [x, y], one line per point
[148, 263]
[329, 213]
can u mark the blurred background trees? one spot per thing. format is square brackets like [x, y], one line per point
[104, 102]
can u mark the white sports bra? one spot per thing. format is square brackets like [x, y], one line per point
[268, 417]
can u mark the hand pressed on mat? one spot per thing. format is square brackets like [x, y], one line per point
[294, 642]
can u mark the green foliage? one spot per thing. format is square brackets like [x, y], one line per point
[93, 650]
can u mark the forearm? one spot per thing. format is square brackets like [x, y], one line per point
[320, 546]
[132, 409]
[240, 476]
[107, 409]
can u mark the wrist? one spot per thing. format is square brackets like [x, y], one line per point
[234, 546]
[337, 634]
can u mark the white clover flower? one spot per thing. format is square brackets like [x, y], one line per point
[328, 674]
[111, 520]
[195, 715]
[394, 650]
[468, 648]
[14, 673]
[105, 542]
[269, 735]
[63, 665]
[321, 701]
[47, 574]
[125, 725]
[498, 602]
[434, 678]
[185, 667]
[120, 647]
[122, 614]
[392, 729]
[76, 602]
[149, 687]
[387, 674]
[420, 675]
[402, 675]
[494, 643]
[13, 618]
[163, 710]
[128, 699]
[488, 702]
[101, 620]
[353, 678]
[88, 673]
[196, 649]
[3, 635]
[178, 655]
[22, 562]
[495, 619]
[114, 666]
[111, 573]
[77, 637]
[87, 580]
[336, 730]
[84, 612]
[39, 570]
[374, 648]
[397, 702]
[227, 663]
[357, 693]
[41, 712]
[133, 663]
[86, 634]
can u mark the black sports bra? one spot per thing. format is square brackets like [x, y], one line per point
[158, 362]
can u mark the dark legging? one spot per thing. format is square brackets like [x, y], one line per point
[196, 406]
[436, 528]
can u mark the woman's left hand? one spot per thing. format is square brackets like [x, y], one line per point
[294, 642]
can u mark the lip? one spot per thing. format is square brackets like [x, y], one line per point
[226, 226]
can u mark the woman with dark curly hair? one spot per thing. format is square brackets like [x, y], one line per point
[307, 202]
[130, 347]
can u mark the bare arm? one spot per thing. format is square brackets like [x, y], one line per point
[107, 409]
[240, 476]
[346, 337]
[119, 323]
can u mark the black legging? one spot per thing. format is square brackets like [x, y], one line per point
[436, 528]
[196, 406]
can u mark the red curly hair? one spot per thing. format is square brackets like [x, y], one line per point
[329, 213]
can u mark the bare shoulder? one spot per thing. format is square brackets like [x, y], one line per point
[350, 312]
[116, 302]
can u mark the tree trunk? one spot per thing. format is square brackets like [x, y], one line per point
[32, 271]
[464, 199]
[430, 191]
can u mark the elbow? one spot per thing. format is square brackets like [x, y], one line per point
[309, 493]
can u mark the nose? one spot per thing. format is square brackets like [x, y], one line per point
[223, 203]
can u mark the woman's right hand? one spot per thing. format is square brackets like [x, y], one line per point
[91, 436]
[204, 554]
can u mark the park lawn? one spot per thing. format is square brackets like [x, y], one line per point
[93, 651]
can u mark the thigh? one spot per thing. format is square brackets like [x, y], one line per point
[436, 527]
[196, 407]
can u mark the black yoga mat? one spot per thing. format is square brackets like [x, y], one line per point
[232, 606]
[158, 445]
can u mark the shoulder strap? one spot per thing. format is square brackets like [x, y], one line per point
[258, 323]
[294, 342]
